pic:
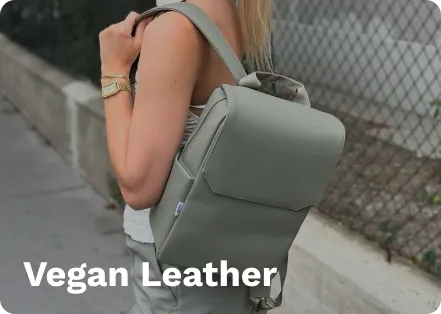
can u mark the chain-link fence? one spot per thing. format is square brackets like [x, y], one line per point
[375, 65]
[65, 32]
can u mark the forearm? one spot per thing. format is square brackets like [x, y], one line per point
[118, 112]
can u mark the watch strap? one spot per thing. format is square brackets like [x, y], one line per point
[114, 88]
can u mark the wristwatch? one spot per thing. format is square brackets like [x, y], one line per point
[114, 88]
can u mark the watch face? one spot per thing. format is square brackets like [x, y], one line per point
[110, 90]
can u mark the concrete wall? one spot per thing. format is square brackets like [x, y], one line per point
[68, 113]
[384, 51]
[331, 271]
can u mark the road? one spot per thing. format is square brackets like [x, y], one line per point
[48, 213]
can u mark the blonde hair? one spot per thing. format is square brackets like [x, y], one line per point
[255, 19]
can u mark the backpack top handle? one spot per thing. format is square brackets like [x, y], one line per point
[208, 29]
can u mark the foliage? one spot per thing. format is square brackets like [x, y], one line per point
[389, 232]
[437, 105]
[431, 260]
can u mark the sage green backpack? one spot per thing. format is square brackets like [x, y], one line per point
[245, 181]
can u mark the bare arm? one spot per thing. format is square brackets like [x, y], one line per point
[143, 139]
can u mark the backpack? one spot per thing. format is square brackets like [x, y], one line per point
[243, 184]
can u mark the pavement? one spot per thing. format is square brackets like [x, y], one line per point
[48, 213]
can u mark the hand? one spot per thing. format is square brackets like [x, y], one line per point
[119, 49]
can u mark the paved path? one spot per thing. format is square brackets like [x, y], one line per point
[49, 214]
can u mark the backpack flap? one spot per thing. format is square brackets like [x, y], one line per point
[274, 152]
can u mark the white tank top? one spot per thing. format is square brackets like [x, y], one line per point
[137, 222]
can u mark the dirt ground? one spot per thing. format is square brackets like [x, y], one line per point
[388, 194]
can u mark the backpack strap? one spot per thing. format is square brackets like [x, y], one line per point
[208, 29]
[260, 295]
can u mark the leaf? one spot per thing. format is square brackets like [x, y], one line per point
[437, 105]
[429, 259]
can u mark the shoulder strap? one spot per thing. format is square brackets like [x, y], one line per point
[208, 29]
[260, 295]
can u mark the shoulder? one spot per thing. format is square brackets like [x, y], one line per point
[173, 29]
[172, 44]
[173, 25]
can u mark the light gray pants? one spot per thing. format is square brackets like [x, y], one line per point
[181, 299]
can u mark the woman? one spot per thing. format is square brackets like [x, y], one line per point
[177, 67]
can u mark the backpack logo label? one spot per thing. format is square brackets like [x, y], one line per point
[179, 209]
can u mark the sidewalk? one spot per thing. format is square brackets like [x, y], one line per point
[49, 214]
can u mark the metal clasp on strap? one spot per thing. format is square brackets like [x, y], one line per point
[266, 304]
